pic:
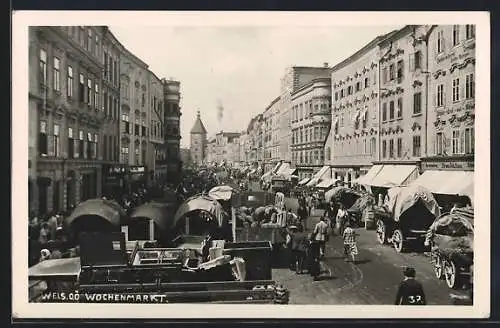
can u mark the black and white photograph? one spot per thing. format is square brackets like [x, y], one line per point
[259, 164]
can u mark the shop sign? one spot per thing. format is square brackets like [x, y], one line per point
[115, 170]
[137, 169]
[449, 165]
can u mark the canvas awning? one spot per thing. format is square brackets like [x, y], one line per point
[161, 213]
[448, 182]
[197, 203]
[313, 182]
[327, 183]
[321, 174]
[395, 175]
[304, 181]
[221, 192]
[283, 169]
[369, 176]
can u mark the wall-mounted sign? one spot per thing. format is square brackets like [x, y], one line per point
[449, 165]
[137, 169]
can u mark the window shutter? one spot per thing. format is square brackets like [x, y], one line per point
[412, 62]
[50, 141]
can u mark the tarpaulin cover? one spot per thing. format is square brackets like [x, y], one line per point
[361, 203]
[221, 192]
[197, 203]
[162, 214]
[69, 267]
[460, 223]
[108, 210]
[408, 197]
[342, 195]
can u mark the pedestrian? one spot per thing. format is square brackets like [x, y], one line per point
[410, 291]
[289, 243]
[309, 202]
[350, 243]
[302, 214]
[44, 234]
[320, 234]
[52, 225]
[341, 218]
[313, 265]
[299, 247]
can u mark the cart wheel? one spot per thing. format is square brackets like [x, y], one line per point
[450, 274]
[398, 241]
[438, 266]
[381, 232]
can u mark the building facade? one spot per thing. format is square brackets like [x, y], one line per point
[66, 117]
[172, 118]
[210, 156]
[451, 114]
[226, 148]
[271, 130]
[255, 132]
[352, 143]
[243, 147]
[198, 147]
[135, 118]
[310, 125]
[156, 154]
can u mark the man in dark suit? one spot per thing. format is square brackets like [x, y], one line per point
[410, 291]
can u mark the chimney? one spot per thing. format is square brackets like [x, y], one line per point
[325, 65]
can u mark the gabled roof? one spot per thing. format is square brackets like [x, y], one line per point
[198, 127]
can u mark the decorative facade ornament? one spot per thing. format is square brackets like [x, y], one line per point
[417, 83]
[438, 73]
[416, 126]
[462, 65]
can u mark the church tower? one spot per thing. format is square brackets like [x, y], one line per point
[198, 141]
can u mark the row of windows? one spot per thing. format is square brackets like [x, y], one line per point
[111, 69]
[458, 93]
[301, 135]
[314, 157]
[352, 89]
[84, 36]
[394, 71]
[462, 142]
[111, 106]
[470, 32]
[88, 89]
[363, 146]
[305, 110]
[396, 148]
[139, 158]
[77, 146]
[110, 148]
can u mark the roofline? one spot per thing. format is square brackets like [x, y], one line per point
[394, 35]
[272, 103]
[126, 51]
[154, 75]
[367, 47]
[305, 86]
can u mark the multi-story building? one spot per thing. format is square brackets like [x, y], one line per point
[352, 142]
[310, 125]
[227, 148]
[255, 140]
[156, 154]
[243, 147]
[294, 78]
[135, 118]
[448, 161]
[271, 120]
[199, 144]
[112, 174]
[172, 117]
[210, 155]
[66, 117]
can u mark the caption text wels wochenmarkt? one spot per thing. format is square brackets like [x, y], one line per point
[102, 298]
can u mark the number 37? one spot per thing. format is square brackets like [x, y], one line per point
[415, 299]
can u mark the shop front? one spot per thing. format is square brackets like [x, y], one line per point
[138, 177]
[113, 184]
[449, 178]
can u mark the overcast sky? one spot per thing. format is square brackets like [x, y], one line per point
[239, 67]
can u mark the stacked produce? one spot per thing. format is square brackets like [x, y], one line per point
[250, 217]
[343, 195]
[361, 203]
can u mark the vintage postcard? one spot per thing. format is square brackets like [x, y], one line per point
[251, 165]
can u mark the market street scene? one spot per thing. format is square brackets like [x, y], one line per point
[264, 172]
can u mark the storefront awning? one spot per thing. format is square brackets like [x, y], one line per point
[313, 182]
[283, 169]
[369, 176]
[277, 168]
[327, 183]
[395, 175]
[321, 174]
[448, 182]
[304, 181]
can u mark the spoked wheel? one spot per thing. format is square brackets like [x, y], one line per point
[398, 241]
[381, 232]
[450, 274]
[438, 266]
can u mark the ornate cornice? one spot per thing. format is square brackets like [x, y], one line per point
[464, 64]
